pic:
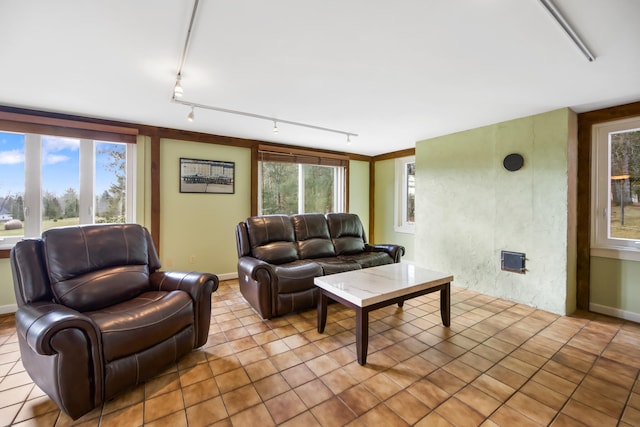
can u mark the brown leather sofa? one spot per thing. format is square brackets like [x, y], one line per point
[279, 256]
[96, 316]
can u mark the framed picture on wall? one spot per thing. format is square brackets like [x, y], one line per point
[207, 176]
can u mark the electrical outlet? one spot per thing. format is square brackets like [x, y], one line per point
[192, 259]
[169, 262]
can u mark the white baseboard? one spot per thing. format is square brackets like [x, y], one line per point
[615, 312]
[9, 308]
[227, 276]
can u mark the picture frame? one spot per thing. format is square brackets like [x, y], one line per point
[207, 176]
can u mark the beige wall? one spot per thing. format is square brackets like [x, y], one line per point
[384, 208]
[469, 208]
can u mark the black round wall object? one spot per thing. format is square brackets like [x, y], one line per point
[513, 162]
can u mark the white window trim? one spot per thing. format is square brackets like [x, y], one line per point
[601, 244]
[400, 195]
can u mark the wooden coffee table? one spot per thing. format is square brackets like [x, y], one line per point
[376, 287]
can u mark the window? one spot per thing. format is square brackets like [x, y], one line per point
[52, 181]
[405, 195]
[616, 189]
[296, 183]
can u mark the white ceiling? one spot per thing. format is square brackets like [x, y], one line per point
[394, 72]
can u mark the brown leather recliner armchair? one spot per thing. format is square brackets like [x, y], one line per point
[96, 316]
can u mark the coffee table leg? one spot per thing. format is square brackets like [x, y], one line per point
[322, 311]
[362, 335]
[445, 305]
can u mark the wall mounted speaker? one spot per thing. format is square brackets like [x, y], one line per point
[513, 162]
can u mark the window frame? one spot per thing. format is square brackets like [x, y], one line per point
[601, 244]
[302, 158]
[27, 124]
[400, 223]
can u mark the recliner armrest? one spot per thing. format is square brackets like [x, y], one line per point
[39, 322]
[396, 252]
[193, 283]
[199, 286]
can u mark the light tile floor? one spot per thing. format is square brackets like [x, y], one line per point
[499, 363]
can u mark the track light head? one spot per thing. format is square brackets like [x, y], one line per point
[191, 115]
[177, 89]
[348, 139]
[275, 127]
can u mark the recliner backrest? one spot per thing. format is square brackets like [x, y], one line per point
[312, 236]
[31, 280]
[347, 233]
[95, 266]
[272, 238]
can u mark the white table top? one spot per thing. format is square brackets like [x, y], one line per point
[375, 284]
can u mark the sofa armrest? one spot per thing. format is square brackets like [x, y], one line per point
[395, 251]
[199, 286]
[258, 283]
[39, 322]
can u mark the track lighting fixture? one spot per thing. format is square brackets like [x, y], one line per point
[178, 93]
[564, 24]
[261, 117]
[177, 89]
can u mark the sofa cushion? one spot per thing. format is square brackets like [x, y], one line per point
[272, 239]
[96, 266]
[312, 235]
[337, 265]
[368, 259]
[139, 323]
[346, 232]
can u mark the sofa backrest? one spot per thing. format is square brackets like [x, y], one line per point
[347, 233]
[312, 236]
[94, 266]
[272, 238]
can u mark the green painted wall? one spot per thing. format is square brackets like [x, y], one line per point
[197, 231]
[469, 208]
[359, 190]
[614, 287]
[384, 208]
[7, 297]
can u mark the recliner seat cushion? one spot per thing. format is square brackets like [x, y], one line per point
[144, 321]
